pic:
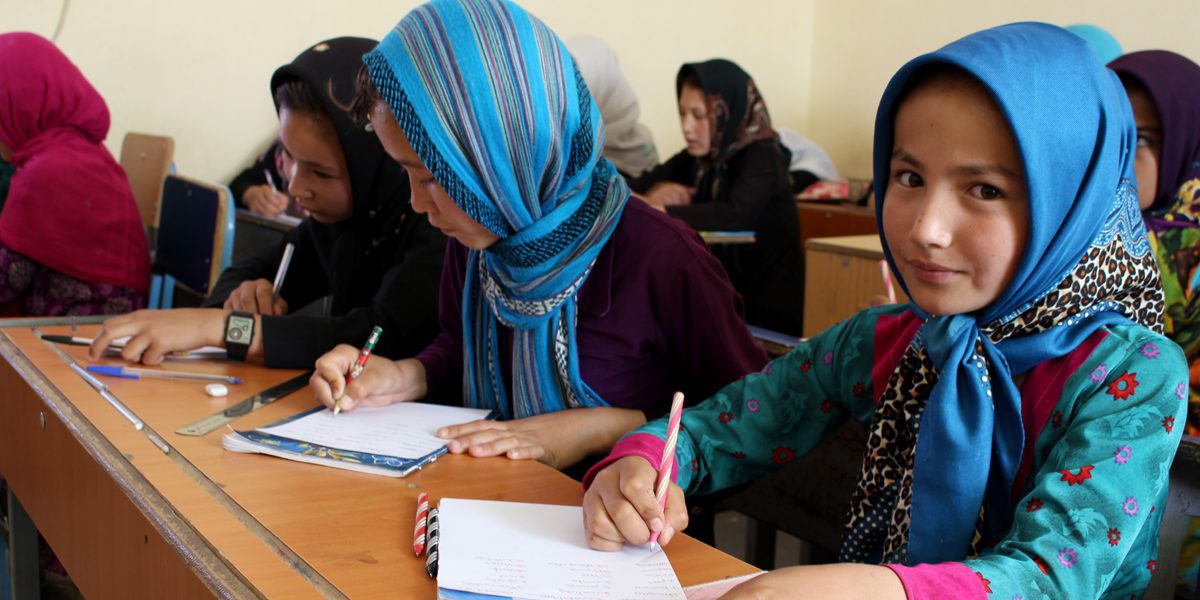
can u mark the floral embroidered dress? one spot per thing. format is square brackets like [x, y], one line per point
[1102, 424]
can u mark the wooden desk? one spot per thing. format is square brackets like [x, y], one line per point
[824, 219]
[841, 275]
[130, 521]
[255, 231]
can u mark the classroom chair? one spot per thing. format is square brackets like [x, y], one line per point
[147, 160]
[195, 239]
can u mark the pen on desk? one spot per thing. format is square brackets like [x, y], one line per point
[359, 365]
[70, 340]
[431, 560]
[422, 521]
[668, 456]
[887, 281]
[107, 395]
[283, 268]
[134, 373]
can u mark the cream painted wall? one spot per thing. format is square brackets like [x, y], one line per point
[198, 71]
[859, 44]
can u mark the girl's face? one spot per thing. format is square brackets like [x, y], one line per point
[694, 120]
[315, 166]
[428, 197]
[1149, 144]
[956, 210]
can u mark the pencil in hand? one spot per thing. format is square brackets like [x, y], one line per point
[357, 368]
[668, 456]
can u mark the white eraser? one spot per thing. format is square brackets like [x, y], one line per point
[216, 390]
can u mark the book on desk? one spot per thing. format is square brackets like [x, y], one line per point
[392, 441]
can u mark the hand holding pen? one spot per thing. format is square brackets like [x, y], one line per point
[359, 364]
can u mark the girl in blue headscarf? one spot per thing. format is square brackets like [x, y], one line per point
[558, 291]
[1024, 408]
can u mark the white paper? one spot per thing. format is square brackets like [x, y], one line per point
[713, 590]
[540, 552]
[201, 352]
[403, 429]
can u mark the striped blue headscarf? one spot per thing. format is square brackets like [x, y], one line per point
[1087, 264]
[492, 102]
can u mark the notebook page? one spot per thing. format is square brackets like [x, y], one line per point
[403, 429]
[539, 552]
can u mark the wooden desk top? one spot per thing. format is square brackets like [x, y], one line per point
[848, 208]
[865, 246]
[281, 222]
[278, 527]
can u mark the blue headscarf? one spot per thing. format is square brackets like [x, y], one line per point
[1086, 264]
[491, 101]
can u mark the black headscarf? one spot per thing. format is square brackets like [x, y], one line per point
[737, 117]
[354, 253]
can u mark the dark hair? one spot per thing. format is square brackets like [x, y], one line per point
[365, 96]
[688, 79]
[297, 95]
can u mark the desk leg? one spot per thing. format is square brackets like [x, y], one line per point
[22, 551]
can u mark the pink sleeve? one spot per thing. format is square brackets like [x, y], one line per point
[644, 445]
[942, 580]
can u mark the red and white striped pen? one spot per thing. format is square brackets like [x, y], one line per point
[419, 529]
[668, 455]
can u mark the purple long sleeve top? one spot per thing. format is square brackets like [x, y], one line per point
[657, 314]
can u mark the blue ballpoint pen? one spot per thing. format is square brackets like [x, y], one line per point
[134, 373]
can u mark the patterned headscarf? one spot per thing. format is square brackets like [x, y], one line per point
[737, 117]
[1173, 83]
[491, 101]
[1087, 264]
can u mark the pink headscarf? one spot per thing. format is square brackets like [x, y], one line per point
[70, 207]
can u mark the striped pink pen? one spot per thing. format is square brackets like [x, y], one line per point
[887, 281]
[668, 455]
[422, 521]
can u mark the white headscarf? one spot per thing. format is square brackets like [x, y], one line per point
[629, 144]
[807, 155]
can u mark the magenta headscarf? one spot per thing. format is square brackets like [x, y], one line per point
[1173, 82]
[70, 207]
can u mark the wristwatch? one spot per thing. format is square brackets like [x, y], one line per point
[239, 331]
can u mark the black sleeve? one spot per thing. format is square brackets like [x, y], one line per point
[405, 306]
[253, 175]
[304, 283]
[754, 176]
[678, 168]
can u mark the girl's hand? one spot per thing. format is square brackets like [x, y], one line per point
[620, 507]
[264, 200]
[559, 439]
[155, 333]
[257, 297]
[381, 382]
[669, 193]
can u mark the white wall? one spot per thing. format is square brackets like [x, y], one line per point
[859, 44]
[199, 71]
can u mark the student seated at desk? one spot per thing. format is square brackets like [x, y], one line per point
[1163, 88]
[575, 310]
[254, 192]
[733, 176]
[628, 144]
[362, 244]
[71, 238]
[1029, 361]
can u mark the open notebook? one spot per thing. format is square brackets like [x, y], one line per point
[516, 551]
[392, 441]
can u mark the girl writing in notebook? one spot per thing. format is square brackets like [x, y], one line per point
[1024, 408]
[71, 238]
[733, 176]
[361, 246]
[574, 310]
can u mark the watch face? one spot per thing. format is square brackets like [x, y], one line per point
[238, 330]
